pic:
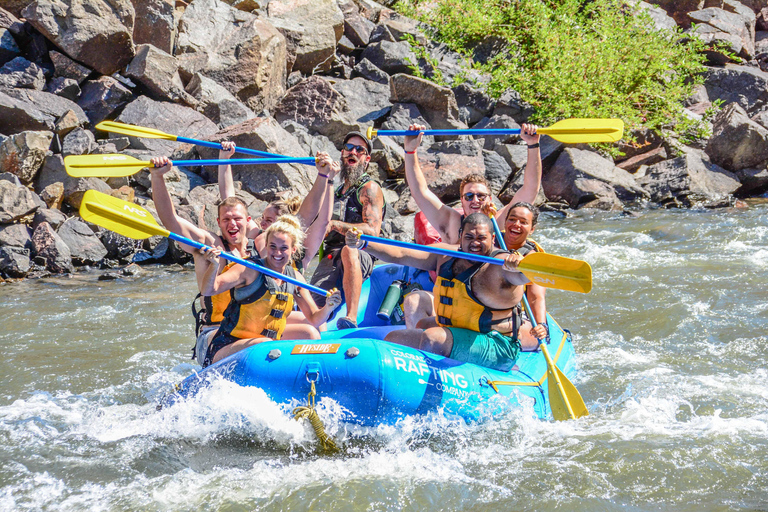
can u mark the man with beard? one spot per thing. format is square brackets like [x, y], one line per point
[477, 304]
[358, 204]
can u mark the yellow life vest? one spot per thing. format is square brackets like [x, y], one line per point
[457, 306]
[260, 309]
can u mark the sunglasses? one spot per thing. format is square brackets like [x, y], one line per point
[470, 196]
[362, 150]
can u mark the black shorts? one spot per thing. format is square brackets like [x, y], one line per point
[330, 273]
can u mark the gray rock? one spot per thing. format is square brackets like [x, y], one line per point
[445, 164]
[659, 16]
[688, 180]
[84, 246]
[735, 30]
[651, 157]
[388, 155]
[436, 103]
[585, 179]
[95, 32]
[155, 24]
[118, 247]
[49, 246]
[234, 48]
[497, 122]
[737, 142]
[369, 71]
[53, 217]
[66, 123]
[8, 47]
[23, 153]
[512, 105]
[16, 202]
[753, 181]
[391, 57]
[158, 71]
[266, 181]
[370, 9]
[64, 87]
[381, 33]
[367, 101]
[311, 144]
[53, 171]
[78, 142]
[217, 103]
[7, 176]
[344, 47]
[167, 117]
[102, 98]
[22, 73]
[474, 104]
[358, 29]
[497, 171]
[28, 109]
[68, 68]
[401, 117]
[312, 29]
[744, 85]
[15, 235]
[14, 262]
[400, 26]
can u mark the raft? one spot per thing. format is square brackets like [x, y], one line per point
[378, 382]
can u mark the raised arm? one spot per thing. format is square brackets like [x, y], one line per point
[316, 316]
[532, 176]
[372, 199]
[316, 231]
[310, 206]
[214, 283]
[444, 218]
[536, 298]
[227, 185]
[166, 211]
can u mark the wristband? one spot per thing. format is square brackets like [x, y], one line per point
[410, 152]
[533, 146]
[323, 175]
[365, 244]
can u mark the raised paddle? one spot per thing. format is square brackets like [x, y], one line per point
[544, 269]
[111, 166]
[151, 133]
[564, 399]
[570, 131]
[133, 221]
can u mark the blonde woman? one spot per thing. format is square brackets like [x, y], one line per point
[260, 304]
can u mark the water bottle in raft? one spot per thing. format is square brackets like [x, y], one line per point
[391, 300]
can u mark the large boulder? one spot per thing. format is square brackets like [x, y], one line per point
[585, 179]
[84, 246]
[23, 153]
[68, 68]
[98, 33]
[22, 73]
[16, 202]
[368, 101]
[437, 103]
[745, 85]
[53, 171]
[49, 246]
[687, 181]
[101, 98]
[737, 142]
[15, 235]
[736, 31]
[158, 71]
[155, 23]
[311, 28]
[167, 117]
[28, 109]
[217, 103]
[391, 57]
[236, 49]
[14, 262]
[266, 182]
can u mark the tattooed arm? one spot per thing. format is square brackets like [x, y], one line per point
[372, 199]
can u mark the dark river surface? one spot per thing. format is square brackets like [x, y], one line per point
[672, 353]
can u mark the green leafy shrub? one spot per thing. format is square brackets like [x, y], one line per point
[575, 58]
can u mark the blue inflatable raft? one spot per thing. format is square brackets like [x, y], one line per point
[379, 382]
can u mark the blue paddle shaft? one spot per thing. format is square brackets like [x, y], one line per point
[249, 161]
[217, 145]
[469, 131]
[434, 250]
[249, 264]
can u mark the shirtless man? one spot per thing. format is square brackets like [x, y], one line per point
[477, 304]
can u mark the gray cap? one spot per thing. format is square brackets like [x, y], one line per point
[362, 136]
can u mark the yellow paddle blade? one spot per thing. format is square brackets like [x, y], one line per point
[552, 271]
[120, 216]
[574, 131]
[557, 399]
[103, 166]
[133, 131]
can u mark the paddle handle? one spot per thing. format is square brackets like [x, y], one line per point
[433, 250]
[467, 131]
[249, 264]
[249, 161]
[217, 145]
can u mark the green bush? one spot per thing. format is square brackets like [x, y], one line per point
[571, 58]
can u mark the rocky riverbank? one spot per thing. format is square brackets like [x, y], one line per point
[292, 77]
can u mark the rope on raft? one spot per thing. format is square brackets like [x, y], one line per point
[327, 443]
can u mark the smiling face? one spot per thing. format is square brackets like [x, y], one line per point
[354, 162]
[268, 217]
[517, 227]
[232, 222]
[280, 250]
[477, 239]
[474, 196]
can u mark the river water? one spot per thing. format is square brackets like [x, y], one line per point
[672, 350]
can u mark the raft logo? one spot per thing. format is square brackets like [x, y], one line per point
[113, 157]
[543, 280]
[135, 211]
[444, 378]
[316, 348]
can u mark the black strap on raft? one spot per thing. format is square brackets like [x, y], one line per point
[199, 315]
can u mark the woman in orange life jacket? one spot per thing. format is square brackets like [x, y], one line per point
[313, 212]
[260, 304]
